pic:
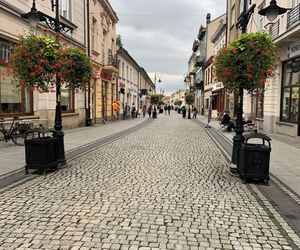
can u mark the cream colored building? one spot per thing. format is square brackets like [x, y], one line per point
[213, 91]
[32, 104]
[147, 88]
[129, 79]
[102, 22]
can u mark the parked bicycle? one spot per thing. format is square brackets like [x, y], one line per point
[17, 130]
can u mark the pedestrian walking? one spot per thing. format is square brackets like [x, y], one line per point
[125, 108]
[183, 110]
[132, 111]
[150, 110]
[194, 113]
[154, 113]
[144, 110]
[165, 108]
[169, 109]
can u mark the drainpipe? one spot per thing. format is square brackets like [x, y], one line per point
[88, 120]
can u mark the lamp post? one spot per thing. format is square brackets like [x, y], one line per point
[34, 17]
[156, 76]
[242, 23]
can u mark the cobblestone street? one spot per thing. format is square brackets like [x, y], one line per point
[166, 186]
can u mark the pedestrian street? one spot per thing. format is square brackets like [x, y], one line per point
[165, 186]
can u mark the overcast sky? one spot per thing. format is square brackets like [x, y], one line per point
[159, 34]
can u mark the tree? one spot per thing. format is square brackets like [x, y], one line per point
[154, 99]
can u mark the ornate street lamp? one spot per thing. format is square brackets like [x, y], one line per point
[242, 23]
[34, 17]
[156, 76]
[272, 11]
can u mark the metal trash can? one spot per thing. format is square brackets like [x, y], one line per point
[41, 152]
[254, 158]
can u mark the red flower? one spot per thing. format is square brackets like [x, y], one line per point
[234, 50]
[43, 61]
[250, 76]
[33, 74]
[270, 71]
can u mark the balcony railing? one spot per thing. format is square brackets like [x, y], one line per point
[113, 59]
[293, 17]
[274, 30]
[199, 61]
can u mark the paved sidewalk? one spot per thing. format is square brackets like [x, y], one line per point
[13, 157]
[284, 159]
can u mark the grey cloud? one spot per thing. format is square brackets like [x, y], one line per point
[159, 33]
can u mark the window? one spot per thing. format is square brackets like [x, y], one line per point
[67, 97]
[123, 70]
[66, 9]
[258, 102]
[94, 44]
[290, 91]
[12, 100]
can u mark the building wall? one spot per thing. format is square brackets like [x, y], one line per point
[12, 25]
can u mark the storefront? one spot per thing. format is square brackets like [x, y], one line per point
[289, 119]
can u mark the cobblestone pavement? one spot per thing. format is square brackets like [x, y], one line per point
[166, 186]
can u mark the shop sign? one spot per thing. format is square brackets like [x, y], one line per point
[293, 50]
[106, 76]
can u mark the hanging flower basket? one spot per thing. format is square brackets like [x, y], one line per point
[38, 60]
[247, 62]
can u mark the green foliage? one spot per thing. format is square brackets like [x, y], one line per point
[178, 102]
[33, 61]
[160, 102]
[39, 60]
[189, 99]
[246, 62]
[76, 67]
[154, 99]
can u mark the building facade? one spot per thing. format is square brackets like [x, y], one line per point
[102, 22]
[28, 103]
[129, 79]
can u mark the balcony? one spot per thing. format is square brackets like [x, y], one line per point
[293, 17]
[112, 63]
[199, 61]
[274, 29]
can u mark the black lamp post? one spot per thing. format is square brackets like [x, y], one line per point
[156, 75]
[35, 16]
[242, 23]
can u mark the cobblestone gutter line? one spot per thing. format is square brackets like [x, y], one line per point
[283, 226]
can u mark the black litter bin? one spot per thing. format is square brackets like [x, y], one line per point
[254, 158]
[41, 152]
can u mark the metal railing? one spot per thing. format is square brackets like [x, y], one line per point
[293, 17]
[274, 30]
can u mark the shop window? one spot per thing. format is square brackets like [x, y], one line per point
[12, 101]
[290, 91]
[67, 99]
